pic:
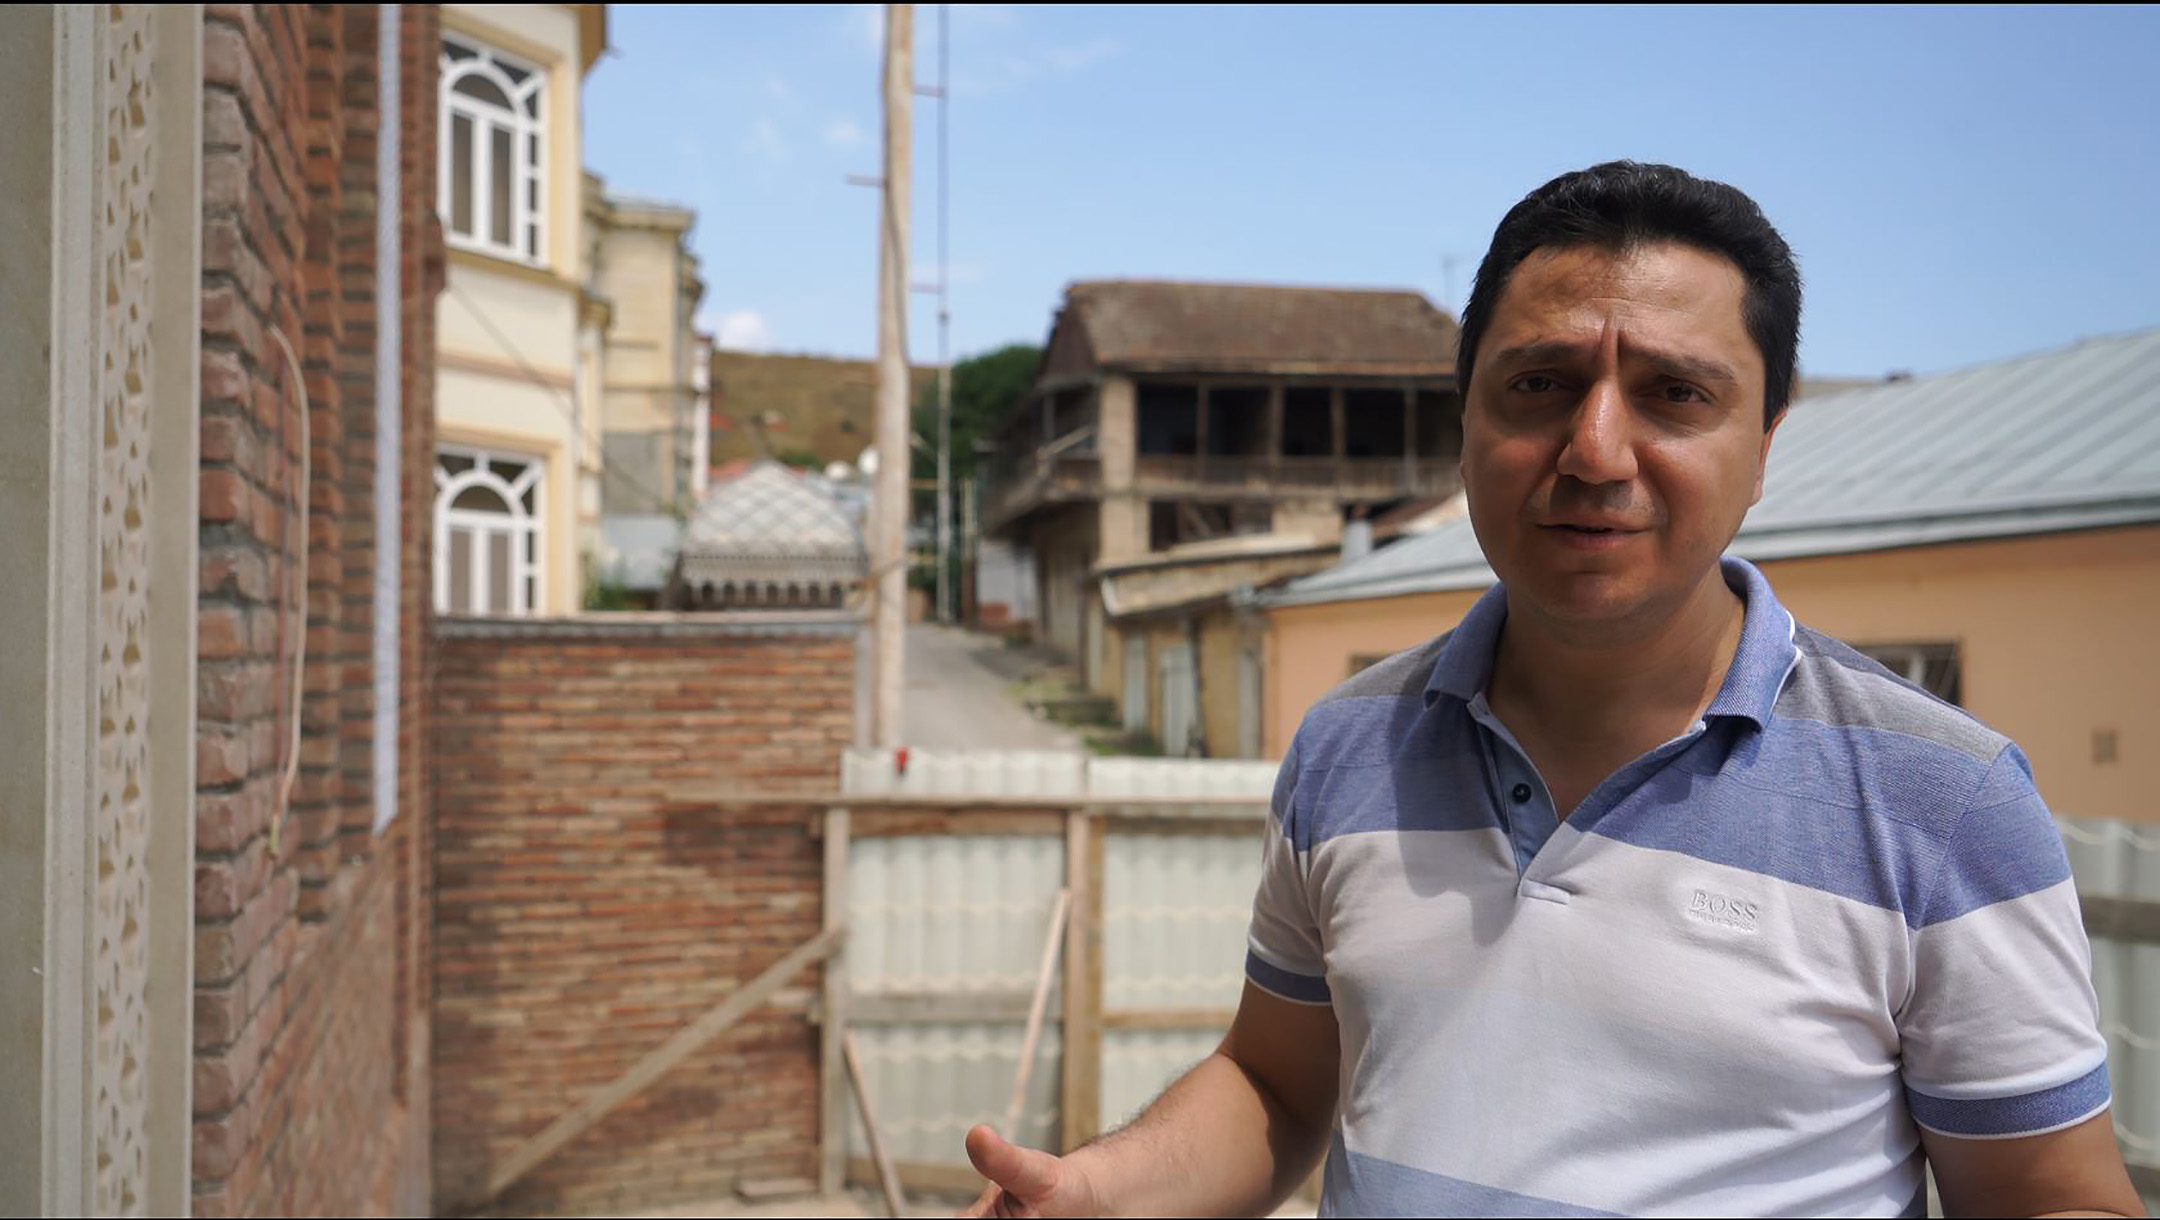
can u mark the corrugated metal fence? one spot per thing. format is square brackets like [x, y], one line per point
[2117, 866]
[949, 912]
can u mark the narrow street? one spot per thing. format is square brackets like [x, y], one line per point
[956, 699]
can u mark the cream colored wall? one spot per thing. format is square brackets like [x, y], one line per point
[1320, 520]
[639, 273]
[2055, 638]
[476, 409]
[1219, 683]
[540, 320]
[588, 391]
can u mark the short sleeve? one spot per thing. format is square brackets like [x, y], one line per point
[1284, 955]
[2001, 1034]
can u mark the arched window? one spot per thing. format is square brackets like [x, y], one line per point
[492, 140]
[487, 533]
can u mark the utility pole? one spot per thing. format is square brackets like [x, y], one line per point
[944, 336]
[888, 549]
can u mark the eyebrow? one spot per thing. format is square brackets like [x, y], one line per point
[1672, 364]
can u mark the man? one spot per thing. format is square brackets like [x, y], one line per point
[1630, 894]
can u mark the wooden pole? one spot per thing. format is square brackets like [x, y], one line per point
[676, 1049]
[1051, 940]
[1081, 1083]
[888, 1181]
[888, 548]
[832, 1082]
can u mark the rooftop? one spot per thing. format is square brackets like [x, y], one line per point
[1169, 326]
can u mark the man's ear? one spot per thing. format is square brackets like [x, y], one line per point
[1762, 456]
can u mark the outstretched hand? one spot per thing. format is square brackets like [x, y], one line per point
[1025, 1182]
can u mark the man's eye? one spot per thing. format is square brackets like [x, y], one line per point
[1680, 391]
[1536, 383]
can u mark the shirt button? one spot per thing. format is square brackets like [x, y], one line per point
[1521, 793]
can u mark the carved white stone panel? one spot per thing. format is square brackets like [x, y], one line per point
[121, 911]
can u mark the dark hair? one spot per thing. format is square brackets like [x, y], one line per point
[1621, 205]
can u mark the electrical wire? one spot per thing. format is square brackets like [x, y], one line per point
[298, 557]
[562, 402]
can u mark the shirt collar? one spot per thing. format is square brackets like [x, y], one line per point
[1760, 665]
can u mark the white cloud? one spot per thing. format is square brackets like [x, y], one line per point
[1062, 60]
[843, 133]
[961, 274]
[997, 71]
[980, 16]
[766, 141]
[743, 330]
[864, 26]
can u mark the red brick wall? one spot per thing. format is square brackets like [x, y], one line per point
[591, 901]
[309, 1001]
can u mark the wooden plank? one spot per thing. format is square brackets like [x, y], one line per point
[1249, 826]
[1081, 1081]
[890, 804]
[959, 1181]
[1052, 938]
[895, 1201]
[832, 1084]
[767, 1190]
[934, 823]
[677, 1048]
[1170, 1018]
[936, 1007]
[2130, 920]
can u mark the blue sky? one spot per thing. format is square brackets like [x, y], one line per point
[1961, 185]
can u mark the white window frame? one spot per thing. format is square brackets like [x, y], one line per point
[528, 576]
[528, 144]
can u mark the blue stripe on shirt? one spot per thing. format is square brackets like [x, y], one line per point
[1290, 986]
[2043, 1110]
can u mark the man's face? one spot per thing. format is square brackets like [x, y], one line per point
[1613, 431]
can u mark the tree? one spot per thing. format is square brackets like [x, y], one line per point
[985, 389]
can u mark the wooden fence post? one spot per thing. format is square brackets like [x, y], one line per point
[1081, 1083]
[832, 1072]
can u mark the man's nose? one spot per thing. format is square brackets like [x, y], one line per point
[1600, 446]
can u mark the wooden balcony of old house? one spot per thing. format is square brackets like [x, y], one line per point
[1231, 440]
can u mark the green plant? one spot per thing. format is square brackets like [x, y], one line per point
[607, 590]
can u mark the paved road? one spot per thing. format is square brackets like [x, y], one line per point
[952, 700]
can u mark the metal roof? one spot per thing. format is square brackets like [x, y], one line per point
[2062, 440]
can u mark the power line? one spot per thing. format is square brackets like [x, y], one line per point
[562, 401]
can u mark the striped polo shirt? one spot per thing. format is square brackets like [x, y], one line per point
[1738, 979]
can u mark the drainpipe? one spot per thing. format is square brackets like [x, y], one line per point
[389, 413]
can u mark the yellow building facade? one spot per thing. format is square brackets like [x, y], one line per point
[517, 427]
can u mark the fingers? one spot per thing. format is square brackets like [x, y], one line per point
[983, 1204]
[1028, 1175]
